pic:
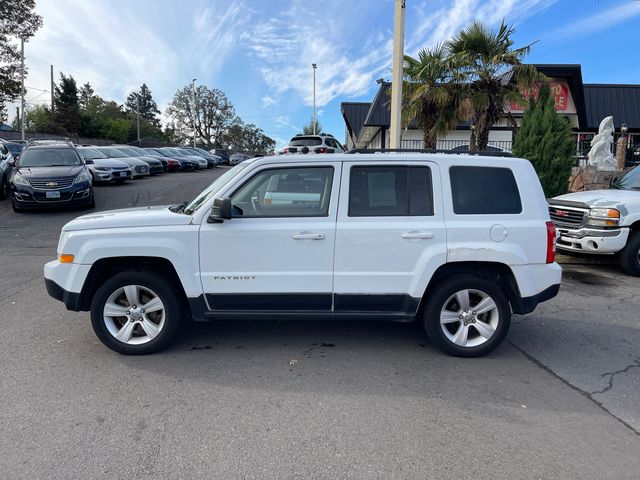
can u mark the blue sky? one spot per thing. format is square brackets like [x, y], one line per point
[259, 52]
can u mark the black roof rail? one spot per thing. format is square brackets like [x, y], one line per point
[48, 141]
[418, 150]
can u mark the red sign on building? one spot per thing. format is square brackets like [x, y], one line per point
[558, 90]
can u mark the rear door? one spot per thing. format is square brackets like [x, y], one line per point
[390, 235]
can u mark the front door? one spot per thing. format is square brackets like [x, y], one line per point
[276, 253]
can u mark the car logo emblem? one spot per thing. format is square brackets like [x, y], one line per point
[52, 184]
[562, 213]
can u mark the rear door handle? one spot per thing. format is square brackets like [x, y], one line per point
[308, 236]
[417, 235]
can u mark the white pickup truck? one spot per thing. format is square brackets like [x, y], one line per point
[453, 241]
[602, 222]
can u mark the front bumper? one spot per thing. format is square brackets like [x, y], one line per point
[592, 240]
[64, 282]
[76, 195]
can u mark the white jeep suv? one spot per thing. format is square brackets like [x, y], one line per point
[456, 242]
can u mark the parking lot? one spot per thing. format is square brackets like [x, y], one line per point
[285, 399]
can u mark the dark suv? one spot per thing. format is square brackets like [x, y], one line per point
[50, 174]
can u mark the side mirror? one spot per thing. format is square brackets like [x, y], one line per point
[221, 210]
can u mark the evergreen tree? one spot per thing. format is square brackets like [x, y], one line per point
[86, 94]
[545, 140]
[147, 105]
[67, 104]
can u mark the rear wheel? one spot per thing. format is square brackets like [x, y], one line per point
[467, 316]
[136, 312]
[629, 256]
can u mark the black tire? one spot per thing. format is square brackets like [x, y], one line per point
[162, 287]
[4, 188]
[440, 296]
[629, 257]
[15, 206]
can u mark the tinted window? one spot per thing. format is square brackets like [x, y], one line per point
[50, 157]
[285, 192]
[484, 190]
[90, 154]
[390, 191]
[305, 141]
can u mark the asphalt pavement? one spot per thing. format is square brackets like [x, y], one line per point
[303, 399]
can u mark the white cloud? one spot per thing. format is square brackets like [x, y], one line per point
[606, 18]
[268, 101]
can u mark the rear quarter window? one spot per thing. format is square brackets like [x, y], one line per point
[484, 190]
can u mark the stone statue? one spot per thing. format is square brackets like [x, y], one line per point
[600, 155]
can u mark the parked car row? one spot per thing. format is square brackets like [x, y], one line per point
[55, 173]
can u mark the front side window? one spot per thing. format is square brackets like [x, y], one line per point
[484, 190]
[387, 191]
[285, 192]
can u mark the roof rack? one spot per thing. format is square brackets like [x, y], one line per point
[417, 150]
[48, 141]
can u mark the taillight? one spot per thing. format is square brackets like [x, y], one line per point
[286, 150]
[321, 150]
[551, 242]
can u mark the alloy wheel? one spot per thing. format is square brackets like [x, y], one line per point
[134, 314]
[469, 318]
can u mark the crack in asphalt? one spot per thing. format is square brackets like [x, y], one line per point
[582, 392]
[612, 375]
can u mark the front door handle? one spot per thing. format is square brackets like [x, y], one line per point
[417, 235]
[308, 236]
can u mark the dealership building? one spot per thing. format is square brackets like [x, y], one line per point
[583, 106]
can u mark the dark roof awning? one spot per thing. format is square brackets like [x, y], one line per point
[620, 101]
[354, 114]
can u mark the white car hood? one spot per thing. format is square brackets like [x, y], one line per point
[128, 217]
[609, 198]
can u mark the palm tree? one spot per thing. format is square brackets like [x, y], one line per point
[494, 70]
[434, 92]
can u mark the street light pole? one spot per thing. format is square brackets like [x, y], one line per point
[22, 86]
[138, 120]
[314, 97]
[193, 95]
[396, 77]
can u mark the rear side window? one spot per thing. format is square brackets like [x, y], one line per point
[484, 190]
[384, 191]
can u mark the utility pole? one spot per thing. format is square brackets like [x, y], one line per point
[18, 115]
[397, 73]
[315, 121]
[22, 85]
[138, 120]
[193, 95]
[52, 91]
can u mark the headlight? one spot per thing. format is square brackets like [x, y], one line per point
[604, 217]
[20, 180]
[83, 177]
[103, 169]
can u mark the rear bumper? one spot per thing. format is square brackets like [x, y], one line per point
[529, 304]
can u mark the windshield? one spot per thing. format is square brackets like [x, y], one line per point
[129, 151]
[113, 153]
[14, 148]
[631, 181]
[50, 157]
[187, 153]
[91, 154]
[177, 152]
[212, 189]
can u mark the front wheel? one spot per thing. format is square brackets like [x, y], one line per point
[629, 256]
[136, 313]
[467, 316]
[4, 189]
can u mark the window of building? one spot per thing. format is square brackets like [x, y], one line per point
[382, 191]
[484, 190]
